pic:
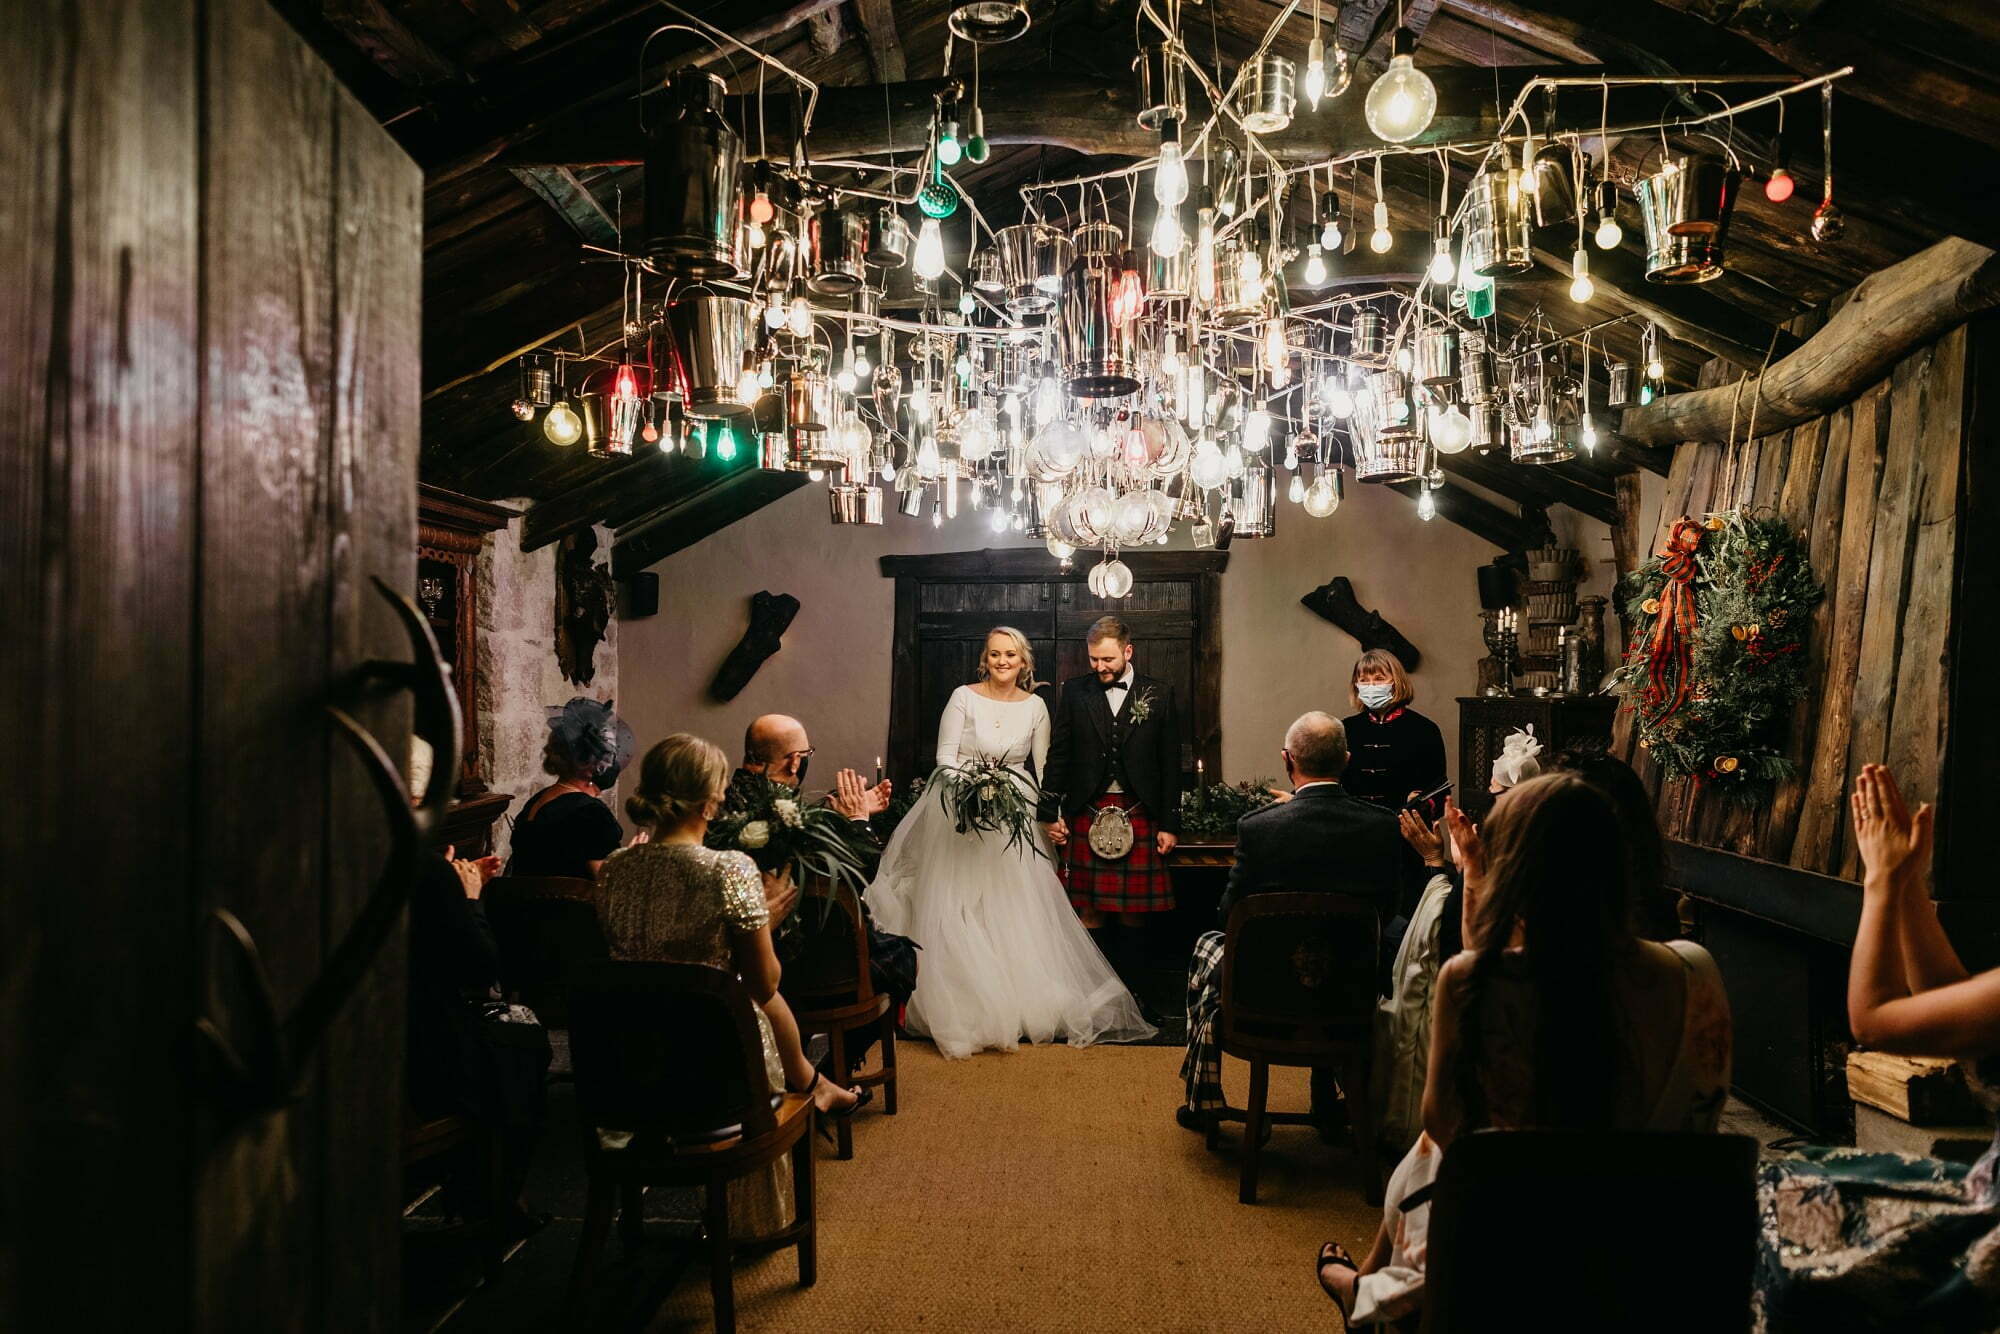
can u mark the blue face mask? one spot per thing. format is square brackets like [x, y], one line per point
[1375, 695]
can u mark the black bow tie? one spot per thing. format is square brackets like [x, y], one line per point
[1110, 686]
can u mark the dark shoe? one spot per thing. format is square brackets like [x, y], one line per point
[1332, 1122]
[1187, 1118]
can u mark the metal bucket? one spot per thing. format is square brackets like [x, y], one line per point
[1475, 370]
[693, 198]
[853, 502]
[1097, 351]
[808, 401]
[1559, 447]
[889, 242]
[707, 335]
[1437, 353]
[1620, 393]
[1389, 391]
[839, 252]
[1256, 509]
[1236, 302]
[1369, 340]
[1497, 239]
[1269, 97]
[1162, 84]
[1033, 260]
[1387, 458]
[774, 451]
[1686, 206]
[867, 306]
[1168, 277]
[1489, 427]
[986, 272]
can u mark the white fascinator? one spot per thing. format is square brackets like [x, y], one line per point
[1517, 762]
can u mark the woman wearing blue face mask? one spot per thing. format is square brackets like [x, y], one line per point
[1395, 752]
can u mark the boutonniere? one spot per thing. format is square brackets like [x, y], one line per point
[1141, 708]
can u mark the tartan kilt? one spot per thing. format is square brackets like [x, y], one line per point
[1136, 882]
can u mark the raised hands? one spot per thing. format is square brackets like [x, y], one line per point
[1422, 835]
[1466, 842]
[854, 799]
[780, 894]
[1895, 845]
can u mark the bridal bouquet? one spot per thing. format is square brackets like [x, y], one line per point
[767, 821]
[988, 797]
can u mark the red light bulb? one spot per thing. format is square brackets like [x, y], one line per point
[762, 210]
[1779, 188]
[627, 383]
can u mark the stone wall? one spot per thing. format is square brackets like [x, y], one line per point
[519, 678]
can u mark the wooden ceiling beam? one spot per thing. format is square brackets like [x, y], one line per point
[1484, 519]
[687, 519]
[885, 49]
[559, 188]
[1529, 484]
[647, 473]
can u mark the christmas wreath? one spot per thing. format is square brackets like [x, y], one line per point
[1718, 657]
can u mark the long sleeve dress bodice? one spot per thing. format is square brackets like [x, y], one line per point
[1014, 732]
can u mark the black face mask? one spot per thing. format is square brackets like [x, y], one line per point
[804, 764]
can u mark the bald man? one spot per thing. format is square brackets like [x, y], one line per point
[776, 746]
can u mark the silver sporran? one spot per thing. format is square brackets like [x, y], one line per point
[1110, 833]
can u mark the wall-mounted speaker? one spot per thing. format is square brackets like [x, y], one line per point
[642, 596]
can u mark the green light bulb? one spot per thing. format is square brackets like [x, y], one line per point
[725, 446]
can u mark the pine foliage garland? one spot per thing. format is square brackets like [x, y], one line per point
[1754, 592]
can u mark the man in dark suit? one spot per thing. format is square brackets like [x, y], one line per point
[1115, 746]
[1320, 840]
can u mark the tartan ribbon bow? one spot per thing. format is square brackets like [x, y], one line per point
[1670, 658]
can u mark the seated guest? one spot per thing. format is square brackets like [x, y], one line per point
[1886, 1241]
[1321, 841]
[1398, 754]
[566, 829]
[469, 1053]
[672, 900]
[1555, 1015]
[776, 747]
[1659, 917]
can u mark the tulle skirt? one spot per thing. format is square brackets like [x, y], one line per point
[1004, 956]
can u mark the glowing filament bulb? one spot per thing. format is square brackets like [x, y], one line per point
[774, 313]
[1048, 398]
[1250, 271]
[1256, 430]
[965, 303]
[1297, 491]
[799, 320]
[756, 236]
[1608, 233]
[929, 259]
[861, 366]
[1204, 256]
[1655, 368]
[1330, 235]
[1170, 182]
[1587, 436]
[1315, 266]
[1442, 270]
[1315, 81]
[1167, 235]
[562, 426]
[747, 389]
[1275, 353]
[1581, 289]
[1380, 240]
[1426, 507]
[1170, 357]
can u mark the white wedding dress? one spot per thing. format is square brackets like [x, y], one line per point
[1004, 956]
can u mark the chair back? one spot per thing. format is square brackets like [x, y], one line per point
[548, 931]
[1298, 974]
[832, 964]
[1631, 1230]
[669, 1051]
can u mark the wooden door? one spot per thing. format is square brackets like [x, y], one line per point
[208, 384]
[946, 604]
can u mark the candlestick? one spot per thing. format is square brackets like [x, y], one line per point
[878, 768]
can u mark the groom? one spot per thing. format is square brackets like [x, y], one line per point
[1115, 744]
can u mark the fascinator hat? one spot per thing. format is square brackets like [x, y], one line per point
[594, 741]
[1517, 762]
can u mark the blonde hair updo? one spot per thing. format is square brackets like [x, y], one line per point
[679, 777]
[1026, 680]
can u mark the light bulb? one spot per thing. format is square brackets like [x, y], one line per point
[1340, 402]
[1276, 355]
[963, 366]
[1451, 430]
[1656, 369]
[1779, 188]
[524, 409]
[747, 389]
[1208, 468]
[767, 376]
[888, 470]
[1048, 397]
[756, 235]
[1401, 103]
[816, 474]
[1608, 233]
[1330, 235]
[1645, 394]
[1587, 435]
[950, 150]
[1232, 459]
[1170, 182]
[861, 366]
[725, 445]
[1170, 358]
[1204, 256]
[1194, 396]
[965, 303]
[1581, 289]
[844, 381]
[1167, 235]
[1427, 508]
[762, 210]
[1256, 429]
[799, 320]
[1322, 497]
[1442, 270]
[937, 518]
[1380, 240]
[1315, 266]
[1296, 492]
[774, 313]
[1250, 271]
[1315, 81]
[1404, 359]
[929, 259]
[562, 426]
[999, 520]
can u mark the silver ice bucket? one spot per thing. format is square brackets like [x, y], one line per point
[1497, 227]
[839, 252]
[707, 335]
[1033, 260]
[1437, 353]
[1686, 206]
[693, 198]
[854, 502]
[1097, 350]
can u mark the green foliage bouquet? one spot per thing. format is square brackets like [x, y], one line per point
[1209, 813]
[986, 796]
[779, 832]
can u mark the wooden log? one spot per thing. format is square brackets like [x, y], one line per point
[1822, 814]
[1890, 314]
[1812, 501]
[1921, 1090]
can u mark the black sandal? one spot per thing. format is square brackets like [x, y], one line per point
[862, 1097]
[1333, 1253]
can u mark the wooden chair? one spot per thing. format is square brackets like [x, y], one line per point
[832, 991]
[671, 1053]
[548, 931]
[1628, 1231]
[1298, 989]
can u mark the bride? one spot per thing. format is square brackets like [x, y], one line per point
[1004, 954]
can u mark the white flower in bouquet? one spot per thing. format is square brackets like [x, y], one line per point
[988, 792]
[788, 812]
[755, 834]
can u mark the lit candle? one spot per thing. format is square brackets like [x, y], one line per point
[878, 768]
[1199, 771]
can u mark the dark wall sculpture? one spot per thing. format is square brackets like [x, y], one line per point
[584, 599]
[770, 615]
[1335, 601]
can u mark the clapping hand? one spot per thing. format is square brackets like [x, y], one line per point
[1894, 844]
[780, 894]
[1422, 835]
[855, 800]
